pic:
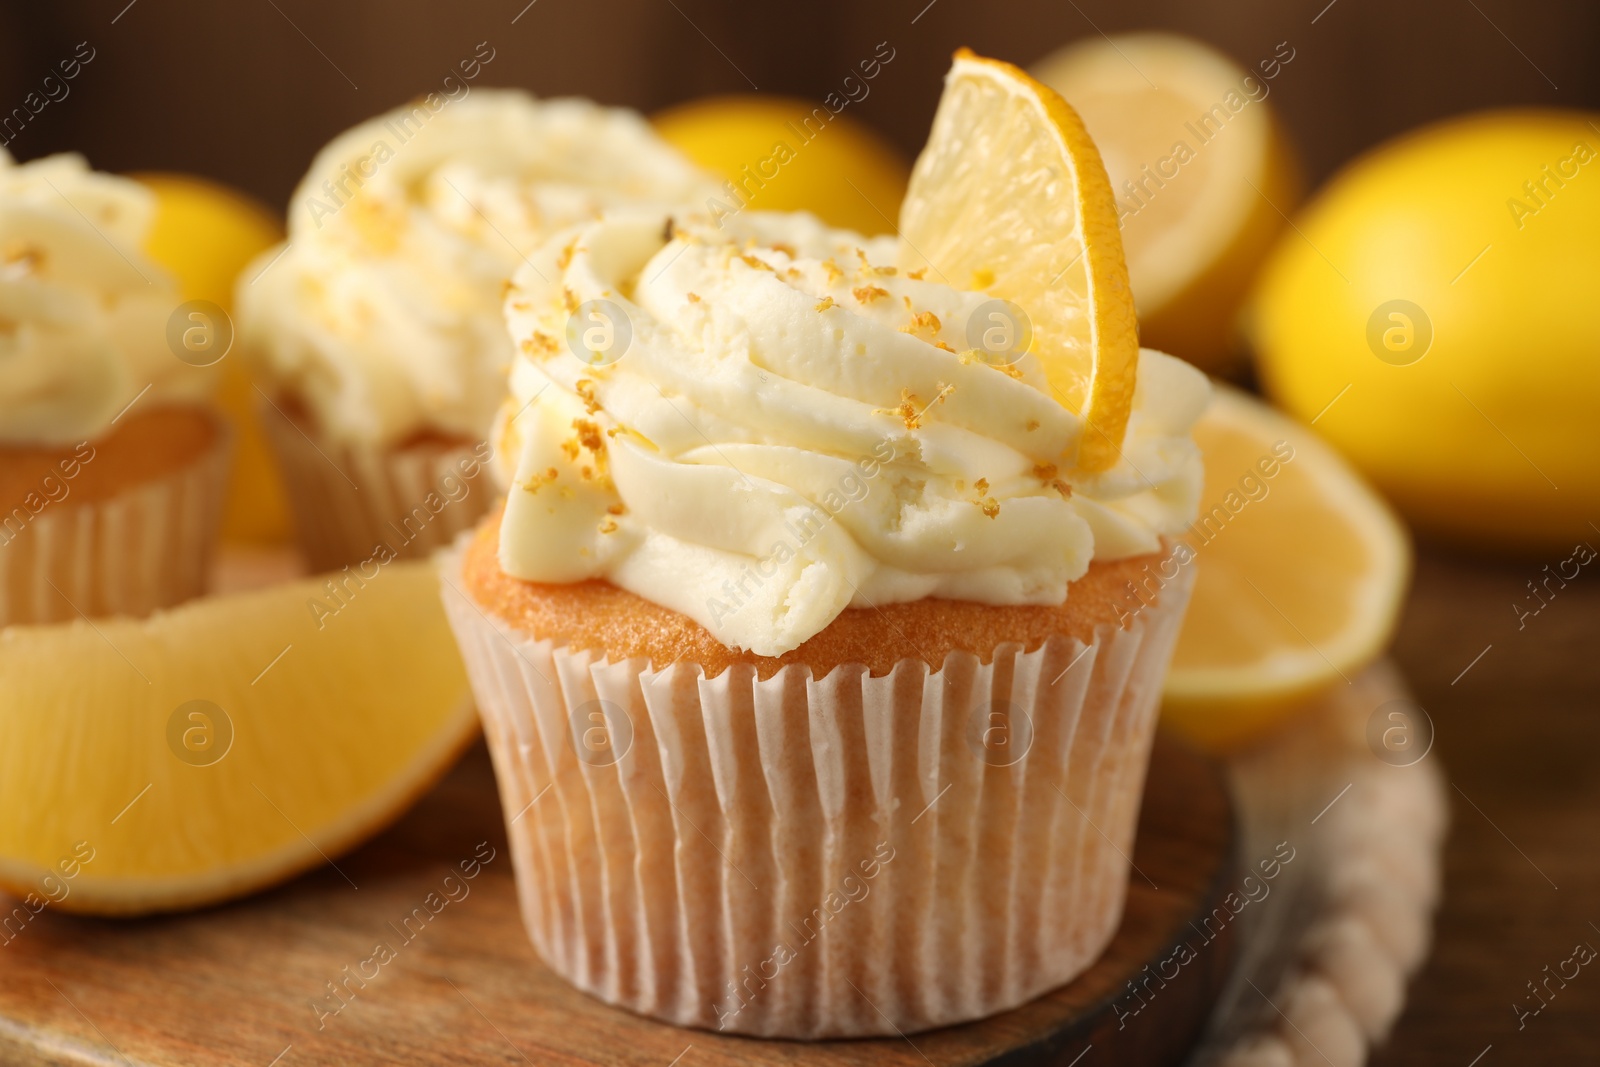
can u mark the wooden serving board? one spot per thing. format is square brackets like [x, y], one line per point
[246, 983]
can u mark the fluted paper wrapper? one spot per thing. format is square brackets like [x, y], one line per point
[347, 500]
[146, 548]
[820, 857]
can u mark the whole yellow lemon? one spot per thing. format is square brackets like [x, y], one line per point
[1434, 313]
[784, 154]
[205, 233]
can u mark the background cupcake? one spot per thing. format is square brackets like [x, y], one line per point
[820, 700]
[378, 323]
[112, 466]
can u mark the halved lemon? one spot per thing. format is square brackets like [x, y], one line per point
[1302, 570]
[1010, 197]
[223, 746]
[1202, 172]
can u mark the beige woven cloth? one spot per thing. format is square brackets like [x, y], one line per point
[1323, 961]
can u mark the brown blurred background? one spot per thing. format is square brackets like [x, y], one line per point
[246, 91]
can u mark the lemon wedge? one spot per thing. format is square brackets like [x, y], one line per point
[1010, 197]
[1302, 570]
[212, 750]
[1201, 169]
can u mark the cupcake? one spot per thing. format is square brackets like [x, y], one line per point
[377, 328]
[112, 465]
[820, 700]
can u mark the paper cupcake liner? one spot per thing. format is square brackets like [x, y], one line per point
[352, 502]
[143, 549]
[820, 857]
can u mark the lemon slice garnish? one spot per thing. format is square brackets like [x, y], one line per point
[1010, 196]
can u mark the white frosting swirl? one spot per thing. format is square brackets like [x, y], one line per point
[83, 310]
[792, 429]
[383, 313]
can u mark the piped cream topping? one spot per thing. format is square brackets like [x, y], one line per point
[83, 309]
[382, 312]
[763, 423]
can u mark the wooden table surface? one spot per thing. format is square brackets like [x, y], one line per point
[292, 977]
[1517, 715]
[1519, 738]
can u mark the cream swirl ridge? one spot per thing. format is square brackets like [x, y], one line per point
[83, 310]
[794, 427]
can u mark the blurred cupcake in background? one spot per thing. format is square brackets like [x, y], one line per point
[378, 325]
[112, 462]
